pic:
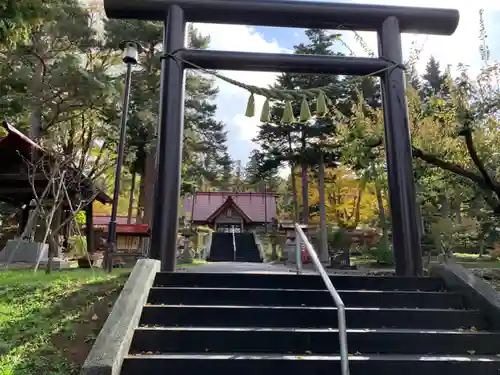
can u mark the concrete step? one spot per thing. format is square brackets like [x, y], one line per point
[308, 317]
[312, 341]
[302, 297]
[293, 281]
[225, 253]
[244, 364]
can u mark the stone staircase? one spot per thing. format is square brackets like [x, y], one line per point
[221, 249]
[247, 324]
[246, 248]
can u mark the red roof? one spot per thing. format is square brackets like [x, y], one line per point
[15, 146]
[17, 140]
[225, 206]
[252, 204]
[104, 220]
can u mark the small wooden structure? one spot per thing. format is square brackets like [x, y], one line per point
[16, 188]
[129, 238]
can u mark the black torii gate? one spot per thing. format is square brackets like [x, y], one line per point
[388, 21]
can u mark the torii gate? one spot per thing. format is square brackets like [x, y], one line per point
[388, 21]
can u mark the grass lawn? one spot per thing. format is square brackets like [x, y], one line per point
[466, 260]
[474, 261]
[48, 322]
[196, 262]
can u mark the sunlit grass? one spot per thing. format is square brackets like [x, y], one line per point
[36, 307]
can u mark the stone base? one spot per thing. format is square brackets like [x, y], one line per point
[24, 254]
[18, 250]
[57, 264]
[186, 257]
[290, 255]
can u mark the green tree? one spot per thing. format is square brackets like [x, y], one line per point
[205, 156]
[454, 137]
[433, 79]
[59, 85]
[256, 180]
[18, 18]
[292, 144]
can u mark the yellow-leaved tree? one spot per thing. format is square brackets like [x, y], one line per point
[350, 201]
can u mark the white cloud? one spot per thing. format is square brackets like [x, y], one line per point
[231, 101]
[461, 47]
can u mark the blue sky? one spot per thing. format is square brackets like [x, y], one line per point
[462, 47]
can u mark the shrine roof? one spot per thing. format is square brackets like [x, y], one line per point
[258, 207]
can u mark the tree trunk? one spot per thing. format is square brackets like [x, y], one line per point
[305, 186]
[381, 216]
[52, 224]
[323, 252]
[35, 120]
[295, 197]
[150, 177]
[131, 201]
[445, 207]
[458, 211]
[481, 241]
[445, 212]
[420, 216]
[142, 198]
[358, 208]
[305, 195]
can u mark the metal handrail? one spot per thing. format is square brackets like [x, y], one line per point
[234, 244]
[344, 356]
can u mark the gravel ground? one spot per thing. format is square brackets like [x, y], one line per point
[490, 275]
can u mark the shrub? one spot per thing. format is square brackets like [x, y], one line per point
[383, 255]
[495, 253]
[78, 246]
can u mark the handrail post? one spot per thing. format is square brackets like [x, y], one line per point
[234, 243]
[344, 355]
[301, 237]
[298, 255]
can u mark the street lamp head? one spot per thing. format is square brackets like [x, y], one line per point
[131, 51]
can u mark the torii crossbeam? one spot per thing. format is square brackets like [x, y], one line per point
[389, 22]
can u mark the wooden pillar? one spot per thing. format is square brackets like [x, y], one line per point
[89, 224]
[131, 199]
[66, 229]
[54, 244]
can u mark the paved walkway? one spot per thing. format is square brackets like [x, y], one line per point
[240, 267]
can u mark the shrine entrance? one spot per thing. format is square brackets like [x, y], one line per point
[389, 22]
[229, 228]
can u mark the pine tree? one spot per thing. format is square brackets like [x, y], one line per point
[291, 143]
[258, 180]
[413, 78]
[433, 78]
[56, 73]
[205, 139]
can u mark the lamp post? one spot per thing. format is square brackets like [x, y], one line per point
[131, 51]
